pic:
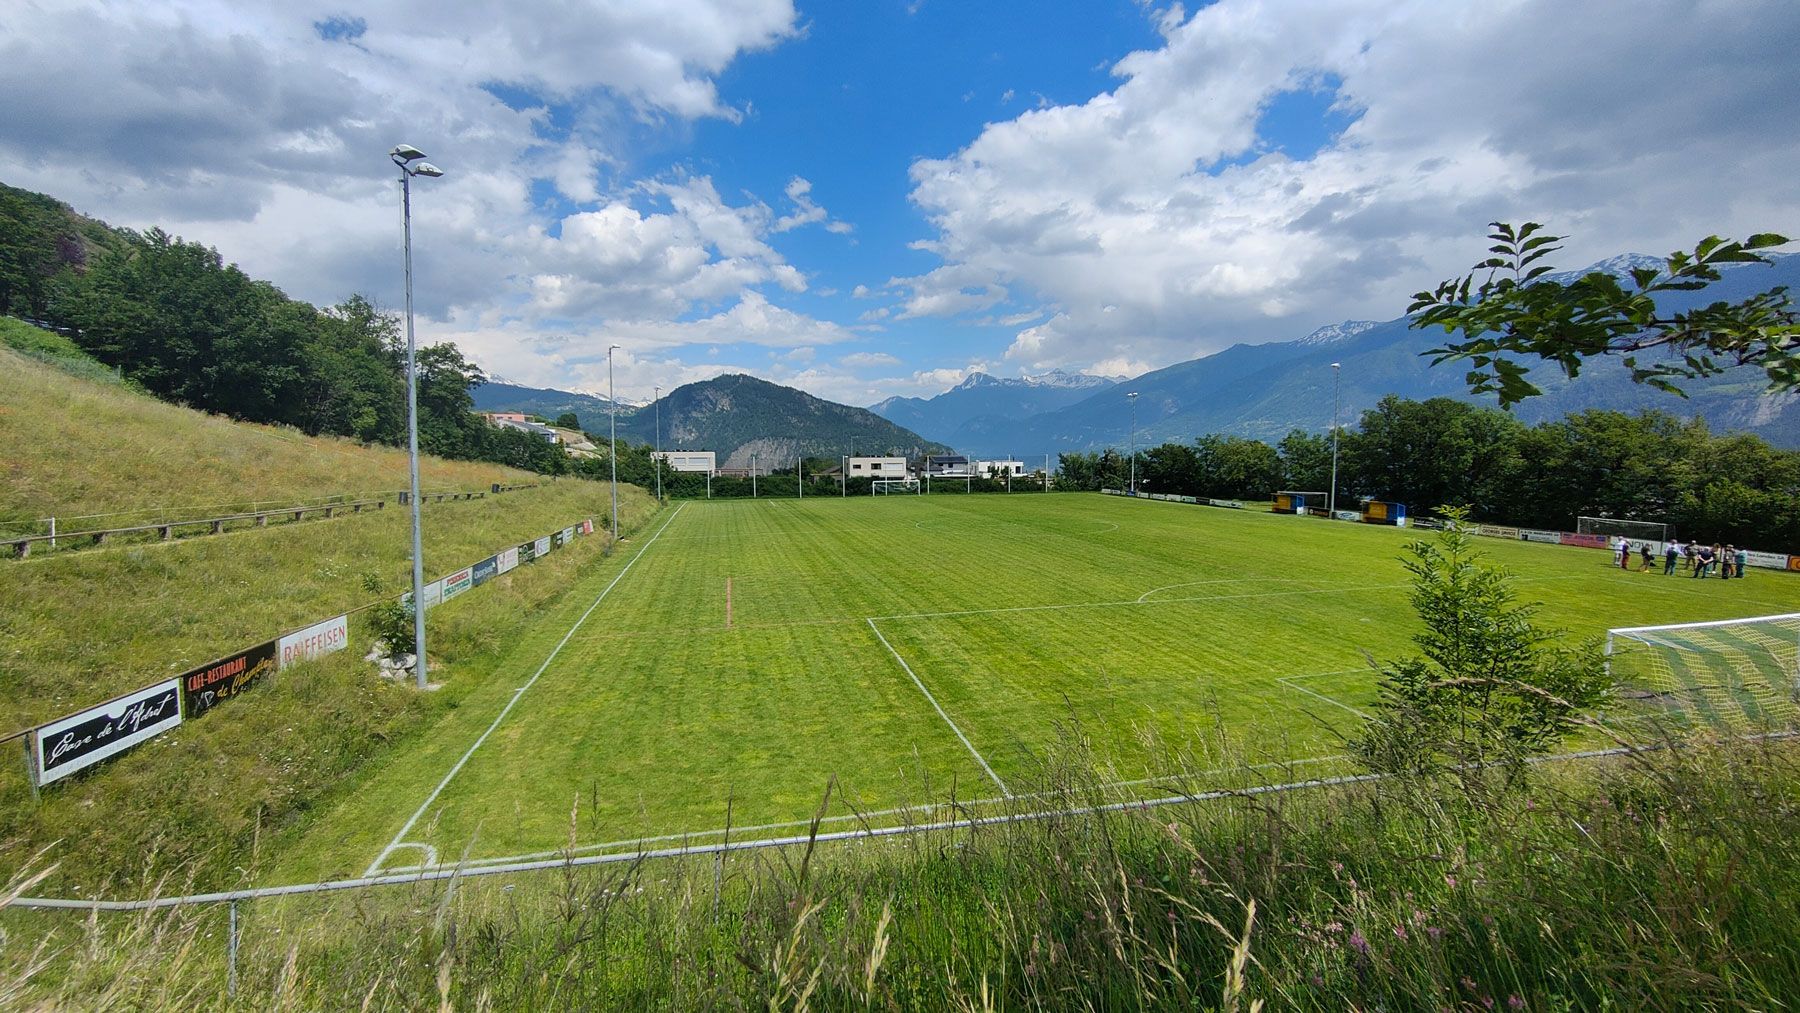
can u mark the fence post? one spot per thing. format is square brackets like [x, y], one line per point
[31, 777]
[53, 532]
[231, 945]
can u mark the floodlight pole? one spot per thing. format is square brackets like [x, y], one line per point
[612, 410]
[844, 477]
[1331, 500]
[656, 395]
[1132, 397]
[403, 155]
[753, 458]
[799, 475]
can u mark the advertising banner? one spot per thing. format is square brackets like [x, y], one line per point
[69, 744]
[544, 545]
[1497, 531]
[316, 641]
[205, 686]
[456, 584]
[587, 526]
[434, 593]
[508, 560]
[527, 552]
[568, 535]
[1771, 560]
[1229, 504]
[1586, 541]
[1538, 535]
[484, 571]
[1794, 562]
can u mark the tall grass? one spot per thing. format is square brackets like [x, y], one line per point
[1669, 880]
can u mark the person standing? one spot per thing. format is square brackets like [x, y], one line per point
[1622, 552]
[1702, 556]
[1718, 559]
[1670, 551]
[1743, 557]
[1649, 560]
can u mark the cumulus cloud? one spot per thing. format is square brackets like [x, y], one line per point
[1159, 221]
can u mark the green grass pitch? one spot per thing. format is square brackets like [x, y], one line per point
[918, 649]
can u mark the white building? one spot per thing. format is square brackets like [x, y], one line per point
[538, 430]
[701, 462]
[876, 467]
[998, 469]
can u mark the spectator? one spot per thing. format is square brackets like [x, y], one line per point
[1702, 559]
[1649, 560]
[1670, 551]
[1743, 556]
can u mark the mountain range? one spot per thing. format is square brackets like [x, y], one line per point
[981, 403]
[500, 396]
[1263, 391]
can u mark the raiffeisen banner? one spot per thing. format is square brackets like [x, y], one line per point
[316, 641]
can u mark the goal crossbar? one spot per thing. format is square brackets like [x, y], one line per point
[1629, 630]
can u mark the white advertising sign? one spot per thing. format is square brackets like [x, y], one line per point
[314, 641]
[543, 547]
[81, 740]
[507, 560]
[1772, 560]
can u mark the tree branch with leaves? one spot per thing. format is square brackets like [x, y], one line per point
[1516, 309]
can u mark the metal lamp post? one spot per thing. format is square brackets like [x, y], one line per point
[656, 396]
[1331, 500]
[612, 410]
[1132, 397]
[753, 460]
[404, 156]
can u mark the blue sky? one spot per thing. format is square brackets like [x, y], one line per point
[875, 198]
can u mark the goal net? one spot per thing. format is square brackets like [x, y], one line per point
[1613, 527]
[889, 486]
[1734, 674]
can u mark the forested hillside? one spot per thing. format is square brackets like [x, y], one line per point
[172, 317]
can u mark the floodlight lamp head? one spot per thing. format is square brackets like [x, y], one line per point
[404, 153]
[425, 169]
[1336, 365]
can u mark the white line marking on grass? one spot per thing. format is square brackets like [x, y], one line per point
[1144, 598]
[939, 708]
[638, 843]
[375, 866]
[1174, 601]
[1288, 682]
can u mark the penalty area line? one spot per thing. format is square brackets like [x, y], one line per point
[400, 838]
[940, 710]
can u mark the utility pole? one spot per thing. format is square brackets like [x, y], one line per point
[1132, 397]
[753, 457]
[1331, 499]
[657, 396]
[612, 411]
[404, 155]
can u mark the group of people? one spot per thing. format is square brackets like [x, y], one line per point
[1694, 559]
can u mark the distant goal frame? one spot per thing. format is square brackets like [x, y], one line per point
[1616, 527]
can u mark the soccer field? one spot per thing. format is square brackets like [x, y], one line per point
[736, 657]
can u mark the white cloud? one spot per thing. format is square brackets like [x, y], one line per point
[864, 360]
[1159, 223]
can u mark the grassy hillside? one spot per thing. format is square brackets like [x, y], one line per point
[80, 627]
[79, 446]
[1647, 884]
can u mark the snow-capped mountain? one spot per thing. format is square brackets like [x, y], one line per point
[982, 401]
[1337, 332]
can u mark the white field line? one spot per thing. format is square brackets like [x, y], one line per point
[1144, 598]
[971, 804]
[375, 866]
[457, 872]
[1178, 601]
[1289, 683]
[939, 708]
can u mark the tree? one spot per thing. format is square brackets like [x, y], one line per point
[568, 420]
[1234, 467]
[1489, 687]
[1306, 461]
[1517, 310]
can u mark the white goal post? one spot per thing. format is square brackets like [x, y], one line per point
[1613, 527]
[886, 486]
[1730, 672]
